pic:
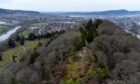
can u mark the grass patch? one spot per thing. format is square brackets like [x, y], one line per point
[18, 51]
[33, 44]
[26, 33]
[3, 28]
[11, 52]
[104, 72]
[71, 81]
[74, 70]
[40, 24]
[79, 68]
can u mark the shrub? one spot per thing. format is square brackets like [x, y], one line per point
[33, 57]
[40, 44]
[78, 43]
[14, 81]
[71, 81]
[99, 73]
[101, 59]
[70, 53]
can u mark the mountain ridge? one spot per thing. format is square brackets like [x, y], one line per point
[9, 11]
[108, 12]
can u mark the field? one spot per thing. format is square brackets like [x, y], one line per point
[3, 28]
[39, 24]
[26, 33]
[19, 50]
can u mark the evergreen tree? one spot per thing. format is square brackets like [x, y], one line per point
[89, 25]
[31, 36]
[0, 57]
[89, 36]
[17, 38]
[11, 43]
[21, 41]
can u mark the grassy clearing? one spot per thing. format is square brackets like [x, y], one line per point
[40, 24]
[26, 33]
[18, 51]
[11, 52]
[33, 44]
[79, 68]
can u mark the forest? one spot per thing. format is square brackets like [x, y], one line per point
[95, 52]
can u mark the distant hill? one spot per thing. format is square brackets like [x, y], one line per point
[7, 11]
[110, 12]
[98, 13]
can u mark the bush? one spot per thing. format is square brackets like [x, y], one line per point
[99, 73]
[33, 57]
[40, 44]
[14, 81]
[70, 53]
[71, 81]
[78, 43]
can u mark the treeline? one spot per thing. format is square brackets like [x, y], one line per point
[31, 37]
[20, 39]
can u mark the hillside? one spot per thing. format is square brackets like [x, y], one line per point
[103, 13]
[20, 12]
[98, 52]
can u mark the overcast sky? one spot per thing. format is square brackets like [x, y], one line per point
[70, 5]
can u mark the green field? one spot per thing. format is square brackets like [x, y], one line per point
[40, 24]
[18, 51]
[3, 28]
[26, 33]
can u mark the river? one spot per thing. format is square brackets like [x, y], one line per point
[5, 36]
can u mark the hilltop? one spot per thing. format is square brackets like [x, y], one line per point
[98, 52]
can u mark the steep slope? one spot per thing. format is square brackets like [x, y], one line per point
[110, 56]
[121, 51]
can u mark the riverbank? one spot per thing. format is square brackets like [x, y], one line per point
[5, 36]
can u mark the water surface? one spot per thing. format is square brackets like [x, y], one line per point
[6, 35]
